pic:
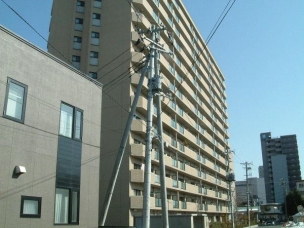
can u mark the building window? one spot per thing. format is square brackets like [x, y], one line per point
[71, 122]
[95, 38]
[97, 3]
[136, 166]
[156, 2]
[15, 100]
[66, 206]
[96, 19]
[180, 111]
[178, 62]
[181, 129]
[78, 24]
[77, 42]
[93, 75]
[80, 6]
[137, 192]
[94, 58]
[173, 105]
[76, 61]
[30, 207]
[155, 16]
[179, 94]
[179, 78]
[173, 123]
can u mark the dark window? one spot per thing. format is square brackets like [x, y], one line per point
[76, 61]
[30, 207]
[94, 54]
[137, 166]
[95, 34]
[97, 3]
[80, 3]
[15, 100]
[70, 122]
[77, 39]
[79, 21]
[66, 206]
[93, 75]
[96, 16]
[75, 58]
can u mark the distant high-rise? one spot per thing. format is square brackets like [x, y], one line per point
[261, 172]
[100, 38]
[281, 163]
[256, 191]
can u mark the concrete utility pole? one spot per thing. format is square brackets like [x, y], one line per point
[230, 178]
[161, 149]
[154, 88]
[247, 164]
[122, 146]
[147, 185]
[284, 185]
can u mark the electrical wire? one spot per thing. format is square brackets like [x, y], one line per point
[36, 31]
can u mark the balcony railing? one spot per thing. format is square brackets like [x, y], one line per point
[175, 183]
[157, 202]
[183, 185]
[175, 204]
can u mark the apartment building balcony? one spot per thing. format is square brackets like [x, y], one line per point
[141, 104]
[138, 150]
[140, 20]
[136, 57]
[136, 202]
[138, 126]
[136, 39]
[207, 150]
[135, 80]
[143, 6]
[137, 175]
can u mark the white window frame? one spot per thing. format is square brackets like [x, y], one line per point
[15, 100]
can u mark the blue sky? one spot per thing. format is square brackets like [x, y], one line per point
[260, 50]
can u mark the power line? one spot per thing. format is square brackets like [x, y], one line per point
[36, 31]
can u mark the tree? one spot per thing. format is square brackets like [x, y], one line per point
[293, 199]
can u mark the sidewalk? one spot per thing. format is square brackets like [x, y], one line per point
[251, 226]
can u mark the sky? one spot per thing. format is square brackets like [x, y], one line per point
[259, 48]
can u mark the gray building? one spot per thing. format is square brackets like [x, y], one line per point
[50, 139]
[256, 189]
[261, 172]
[281, 164]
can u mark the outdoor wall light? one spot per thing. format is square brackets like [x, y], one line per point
[20, 169]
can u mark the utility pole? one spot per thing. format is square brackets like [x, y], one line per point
[122, 146]
[154, 88]
[164, 203]
[230, 178]
[247, 164]
[284, 185]
[147, 185]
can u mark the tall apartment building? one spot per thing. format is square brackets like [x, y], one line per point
[100, 38]
[300, 187]
[281, 164]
